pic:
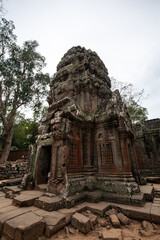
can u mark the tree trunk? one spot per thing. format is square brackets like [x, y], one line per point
[7, 147]
[0, 145]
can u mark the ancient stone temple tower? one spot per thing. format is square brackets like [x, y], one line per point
[86, 141]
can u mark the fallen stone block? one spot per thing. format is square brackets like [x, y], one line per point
[54, 223]
[72, 230]
[24, 227]
[93, 218]
[144, 233]
[98, 208]
[113, 234]
[147, 226]
[68, 213]
[155, 226]
[81, 222]
[49, 203]
[111, 211]
[53, 220]
[114, 220]
[123, 219]
[102, 222]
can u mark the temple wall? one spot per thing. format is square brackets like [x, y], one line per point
[16, 154]
[85, 142]
[148, 147]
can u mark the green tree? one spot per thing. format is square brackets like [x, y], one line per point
[25, 132]
[22, 82]
[132, 98]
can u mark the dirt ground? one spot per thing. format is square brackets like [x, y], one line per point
[129, 232]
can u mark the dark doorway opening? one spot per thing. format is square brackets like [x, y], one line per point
[44, 163]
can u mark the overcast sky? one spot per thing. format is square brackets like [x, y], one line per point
[124, 33]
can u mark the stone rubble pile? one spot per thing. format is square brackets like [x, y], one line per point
[13, 169]
[111, 226]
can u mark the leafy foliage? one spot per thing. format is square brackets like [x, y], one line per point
[132, 98]
[22, 82]
[25, 132]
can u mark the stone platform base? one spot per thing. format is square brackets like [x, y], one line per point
[97, 196]
[119, 184]
[33, 222]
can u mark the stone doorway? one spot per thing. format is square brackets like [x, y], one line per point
[44, 164]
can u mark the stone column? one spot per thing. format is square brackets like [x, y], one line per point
[125, 153]
[116, 149]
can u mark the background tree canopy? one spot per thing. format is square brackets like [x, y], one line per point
[22, 82]
[132, 98]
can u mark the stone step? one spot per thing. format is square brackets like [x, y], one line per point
[49, 203]
[157, 192]
[155, 213]
[138, 200]
[26, 198]
[42, 187]
[4, 203]
[148, 192]
[14, 189]
[7, 209]
[2, 194]
[156, 200]
[11, 182]
[26, 226]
